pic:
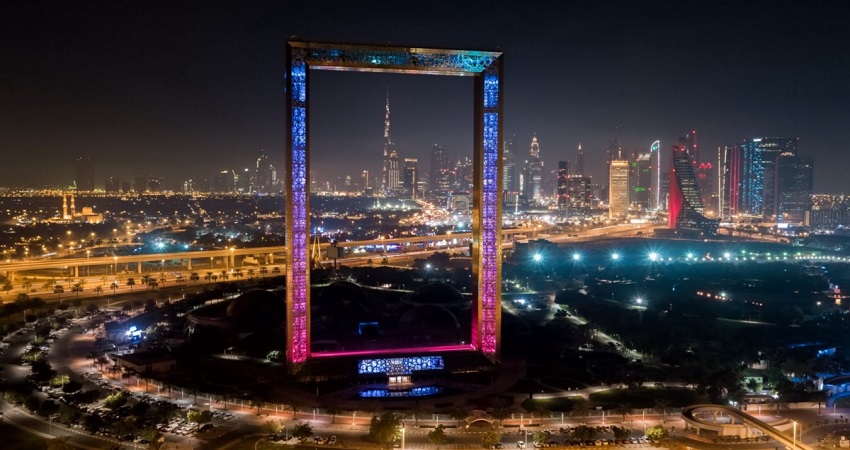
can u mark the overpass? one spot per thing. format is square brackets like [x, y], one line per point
[228, 255]
[745, 423]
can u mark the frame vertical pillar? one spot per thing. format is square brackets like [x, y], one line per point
[297, 210]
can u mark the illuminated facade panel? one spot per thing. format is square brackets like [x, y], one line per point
[486, 68]
[399, 366]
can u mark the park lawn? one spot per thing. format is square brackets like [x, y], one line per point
[643, 397]
[561, 404]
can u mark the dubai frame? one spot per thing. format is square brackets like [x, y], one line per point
[487, 68]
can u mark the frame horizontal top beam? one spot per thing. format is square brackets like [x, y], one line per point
[394, 59]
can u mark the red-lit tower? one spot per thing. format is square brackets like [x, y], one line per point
[685, 205]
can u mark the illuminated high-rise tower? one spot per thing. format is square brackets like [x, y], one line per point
[563, 187]
[85, 174]
[655, 184]
[389, 149]
[441, 176]
[579, 169]
[534, 172]
[685, 202]
[410, 177]
[618, 189]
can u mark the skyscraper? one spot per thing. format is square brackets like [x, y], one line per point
[85, 174]
[614, 151]
[439, 176]
[534, 172]
[685, 207]
[579, 169]
[389, 149]
[793, 188]
[655, 185]
[580, 195]
[112, 185]
[410, 179]
[618, 189]
[753, 166]
[265, 176]
[641, 180]
[563, 187]
[393, 173]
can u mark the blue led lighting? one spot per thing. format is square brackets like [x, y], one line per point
[399, 366]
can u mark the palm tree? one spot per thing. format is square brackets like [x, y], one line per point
[162, 278]
[209, 277]
[98, 290]
[114, 287]
[251, 273]
[77, 288]
[114, 370]
[333, 410]
[294, 407]
[264, 270]
[276, 270]
[222, 398]
[193, 277]
[224, 275]
[257, 402]
[146, 279]
[623, 409]
[131, 282]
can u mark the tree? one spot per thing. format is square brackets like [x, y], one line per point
[661, 405]
[7, 286]
[621, 432]
[581, 408]
[275, 270]
[437, 436]
[656, 433]
[302, 431]
[92, 423]
[208, 277]
[222, 398]
[131, 282]
[490, 439]
[264, 271]
[257, 402]
[98, 290]
[623, 409]
[386, 429]
[193, 277]
[333, 410]
[500, 413]
[459, 413]
[294, 407]
[270, 427]
[540, 437]
[194, 415]
[583, 433]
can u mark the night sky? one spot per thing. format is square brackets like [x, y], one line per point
[186, 89]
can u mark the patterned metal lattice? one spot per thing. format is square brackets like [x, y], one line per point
[399, 366]
[396, 59]
[297, 231]
[487, 67]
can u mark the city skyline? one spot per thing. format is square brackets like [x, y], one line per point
[163, 99]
